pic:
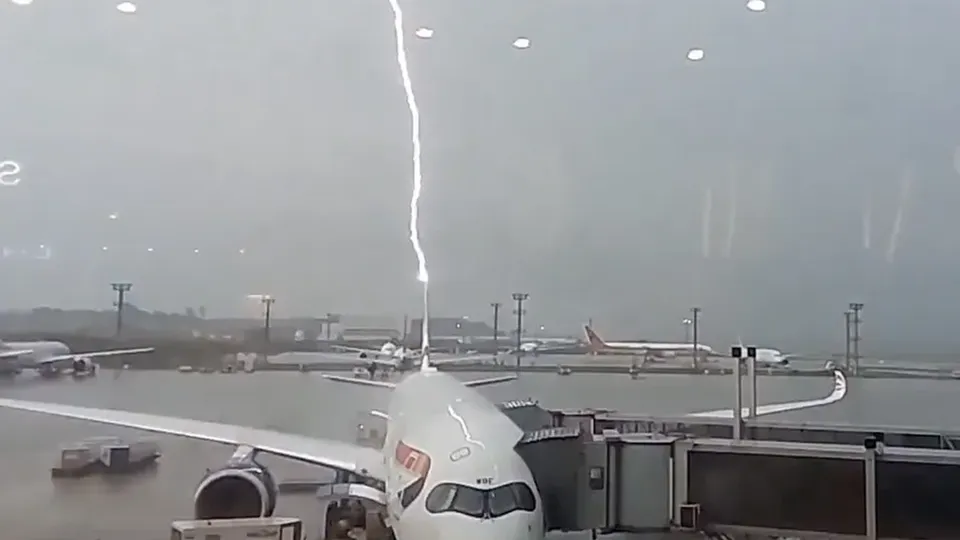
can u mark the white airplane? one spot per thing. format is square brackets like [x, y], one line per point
[394, 356]
[767, 356]
[597, 345]
[536, 347]
[47, 357]
[448, 469]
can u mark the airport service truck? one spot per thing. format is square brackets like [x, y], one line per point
[271, 528]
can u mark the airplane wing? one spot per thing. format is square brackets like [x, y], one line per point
[334, 454]
[839, 392]
[382, 360]
[344, 348]
[391, 386]
[359, 382]
[555, 347]
[457, 359]
[94, 354]
[491, 380]
[14, 354]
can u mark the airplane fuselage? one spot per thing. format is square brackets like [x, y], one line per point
[452, 470]
[771, 357]
[635, 348]
[599, 346]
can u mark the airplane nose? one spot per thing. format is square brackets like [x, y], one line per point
[489, 529]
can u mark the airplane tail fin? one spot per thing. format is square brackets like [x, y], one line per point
[593, 340]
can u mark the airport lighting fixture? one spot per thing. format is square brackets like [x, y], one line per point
[496, 327]
[424, 33]
[855, 308]
[757, 6]
[696, 335]
[267, 302]
[21, 2]
[519, 298]
[695, 54]
[127, 8]
[121, 288]
[521, 43]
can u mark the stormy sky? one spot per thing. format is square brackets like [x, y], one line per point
[263, 147]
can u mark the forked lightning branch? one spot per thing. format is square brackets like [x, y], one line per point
[9, 173]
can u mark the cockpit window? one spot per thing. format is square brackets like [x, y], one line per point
[481, 503]
[510, 497]
[456, 498]
[409, 493]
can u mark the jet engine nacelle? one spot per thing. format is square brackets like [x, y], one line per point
[238, 490]
[83, 364]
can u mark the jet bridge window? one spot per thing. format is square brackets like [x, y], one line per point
[480, 503]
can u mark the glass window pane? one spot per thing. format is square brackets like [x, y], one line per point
[468, 501]
[526, 501]
[441, 498]
[410, 493]
[502, 500]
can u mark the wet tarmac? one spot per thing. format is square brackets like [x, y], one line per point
[35, 507]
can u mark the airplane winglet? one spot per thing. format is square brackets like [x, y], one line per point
[839, 392]
[839, 386]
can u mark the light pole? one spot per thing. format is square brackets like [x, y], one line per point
[695, 322]
[856, 308]
[848, 320]
[462, 334]
[496, 328]
[519, 298]
[332, 318]
[122, 289]
[267, 302]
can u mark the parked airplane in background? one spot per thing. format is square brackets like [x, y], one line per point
[394, 356]
[449, 467]
[49, 357]
[597, 345]
[536, 347]
[769, 357]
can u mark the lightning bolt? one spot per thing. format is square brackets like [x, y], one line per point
[422, 275]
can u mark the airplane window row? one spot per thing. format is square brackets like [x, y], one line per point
[481, 503]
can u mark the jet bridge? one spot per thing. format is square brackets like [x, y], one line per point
[594, 482]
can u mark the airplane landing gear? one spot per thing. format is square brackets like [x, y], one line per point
[49, 372]
[344, 517]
